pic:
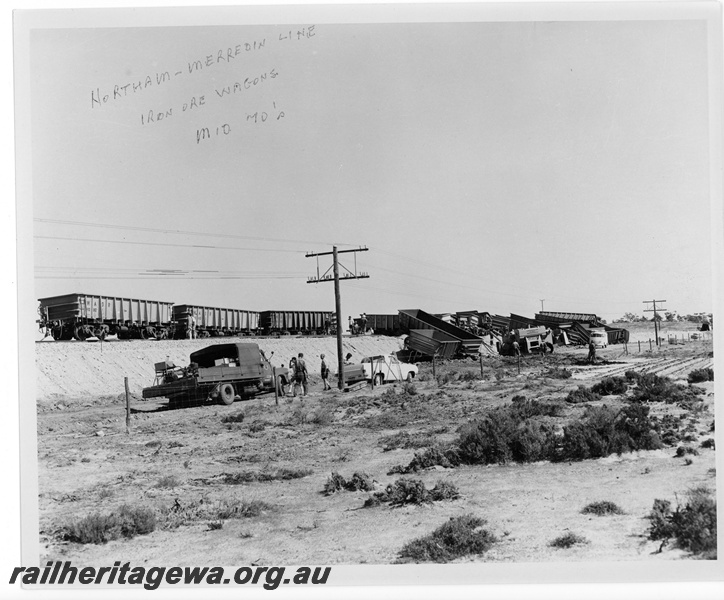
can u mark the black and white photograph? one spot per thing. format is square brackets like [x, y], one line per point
[427, 287]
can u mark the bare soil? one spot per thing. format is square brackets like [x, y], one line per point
[174, 461]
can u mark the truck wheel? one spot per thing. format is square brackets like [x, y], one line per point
[379, 379]
[226, 394]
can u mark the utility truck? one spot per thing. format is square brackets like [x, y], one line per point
[220, 373]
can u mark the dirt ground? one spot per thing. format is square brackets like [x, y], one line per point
[176, 461]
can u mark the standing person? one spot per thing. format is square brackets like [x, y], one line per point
[325, 374]
[293, 375]
[363, 323]
[189, 326]
[591, 353]
[301, 375]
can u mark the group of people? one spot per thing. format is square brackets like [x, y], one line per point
[299, 376]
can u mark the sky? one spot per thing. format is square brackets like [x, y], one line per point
[506, 167]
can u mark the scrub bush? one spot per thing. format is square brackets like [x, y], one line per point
[691, 526]
[609, 386]
[460, 536]
[96, 528]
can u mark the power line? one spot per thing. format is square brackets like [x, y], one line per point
[196, 246]
[175, 231]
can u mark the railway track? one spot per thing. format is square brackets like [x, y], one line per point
[666, 366]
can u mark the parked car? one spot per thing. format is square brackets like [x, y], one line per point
[383, 368]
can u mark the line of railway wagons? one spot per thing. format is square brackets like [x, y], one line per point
[81, 316]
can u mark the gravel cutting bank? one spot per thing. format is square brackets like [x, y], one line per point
[67, 370]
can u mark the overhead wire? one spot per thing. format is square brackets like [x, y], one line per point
[414, 260]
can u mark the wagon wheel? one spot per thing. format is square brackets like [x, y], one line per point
[162, 334]
[147, 333]
[80, 333]
[226, 394]
[101, 334]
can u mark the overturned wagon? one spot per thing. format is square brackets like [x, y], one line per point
[81, 316]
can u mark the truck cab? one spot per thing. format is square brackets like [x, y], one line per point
[599, 337]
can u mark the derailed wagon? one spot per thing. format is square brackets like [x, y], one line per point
[82, 316]
[220, 373]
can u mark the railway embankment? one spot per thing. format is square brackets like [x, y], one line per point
[77, 370]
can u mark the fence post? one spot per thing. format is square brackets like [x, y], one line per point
[650, 346]
[639, 345]
[519, 364]
[128, 407]
[276, 386]
[434, 374]
[481, 365]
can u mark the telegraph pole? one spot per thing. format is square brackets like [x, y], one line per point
[654, 310]
[337, 296]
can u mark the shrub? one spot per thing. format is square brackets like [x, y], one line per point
[444, 491]
[409, 388]
[654, 388]
[222, 509]
[532, 441]
[602, 432]
[557, 373]
[359, 481]
[692, 526]
[469, 376]
[447, 457]
[521, 409]
[236, 418]
[283, 474]
[322, 415]
[684, 450]
[96, 528]
[634, 421]
[460, 536]
[602, 508]
[698, 375]
[568, 540]
[487, 441]
[257, 426]
[336, 483]
[582, 394]
[708, 443]
[407, 491]
[609, 386]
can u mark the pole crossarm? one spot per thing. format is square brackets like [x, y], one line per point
[655, 311]
[336, 278]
